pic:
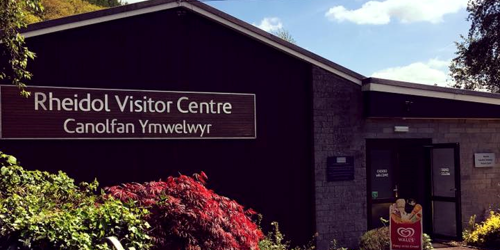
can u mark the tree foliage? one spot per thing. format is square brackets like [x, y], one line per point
[14, 16]
[106, 3]
[477, 64]
[17, 14]
[284, 34]
[60, 8]
[184, 214]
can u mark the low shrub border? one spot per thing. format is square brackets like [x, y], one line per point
[39, 210]
[44, 211]
[378, 239]
[484, 234]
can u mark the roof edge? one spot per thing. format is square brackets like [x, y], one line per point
[408, 88]
[413, 85]
[91, 15]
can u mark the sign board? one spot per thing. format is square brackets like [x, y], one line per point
[445, 171]
[405, 225]
[483, 160]
[340, 168]
[79, 113]
[382, 173]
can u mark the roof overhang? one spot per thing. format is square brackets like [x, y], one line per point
[394, 99]
[141, 8]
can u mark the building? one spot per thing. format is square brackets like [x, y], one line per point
[303, 140]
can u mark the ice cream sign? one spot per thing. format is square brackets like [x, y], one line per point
[405, 225]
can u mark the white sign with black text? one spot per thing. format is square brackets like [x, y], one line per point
[483, 160]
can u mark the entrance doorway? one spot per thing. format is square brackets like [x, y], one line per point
[416, 169]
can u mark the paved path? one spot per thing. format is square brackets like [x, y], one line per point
[439, 246]
[453, 248]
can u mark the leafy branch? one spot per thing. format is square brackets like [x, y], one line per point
[12, 19]
[477, 64]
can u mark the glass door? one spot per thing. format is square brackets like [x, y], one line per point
[395, 169]
[381, 181]
[444, 162]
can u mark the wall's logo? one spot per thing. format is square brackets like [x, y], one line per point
[405, 225]
[405, 232]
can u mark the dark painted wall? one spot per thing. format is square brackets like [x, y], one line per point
[179, 50]
[381, 104]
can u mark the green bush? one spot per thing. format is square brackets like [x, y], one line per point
[39, 210]
[427, 242]
[378, 239]
[375, 239]
[485, 234]
[275, 240]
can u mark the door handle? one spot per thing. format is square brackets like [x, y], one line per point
[396, 194]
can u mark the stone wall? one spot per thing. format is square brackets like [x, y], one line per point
[341, 130]
[480, 186]
[337, 114]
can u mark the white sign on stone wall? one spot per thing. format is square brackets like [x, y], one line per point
[483, 160]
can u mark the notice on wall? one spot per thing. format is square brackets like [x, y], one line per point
[340, 168]
[405, 225]
[78, 113]
[484, 160]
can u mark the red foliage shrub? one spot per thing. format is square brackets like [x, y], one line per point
[186, 215]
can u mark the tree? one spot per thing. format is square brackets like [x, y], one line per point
[184, 214]
[60, 8]
[106, 3]
[477, 64]
[12, 46]
[284, 34]
[17, 14]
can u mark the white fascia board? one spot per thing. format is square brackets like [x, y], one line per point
[199, 11]
[107, 18]
[429, 93]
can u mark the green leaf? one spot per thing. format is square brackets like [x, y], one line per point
[11, 160]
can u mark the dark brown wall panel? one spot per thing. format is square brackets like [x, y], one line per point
[177, 50]
[388, 105]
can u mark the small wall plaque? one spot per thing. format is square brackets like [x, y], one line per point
[484, 160]
[340, 168]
